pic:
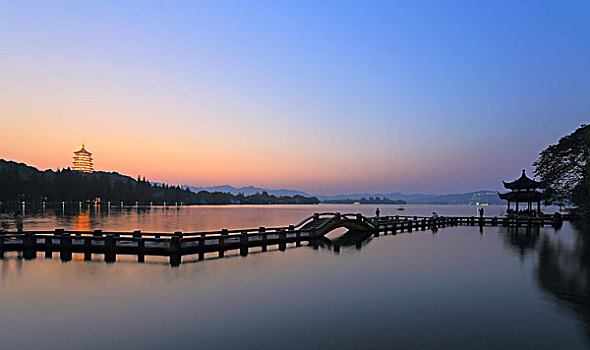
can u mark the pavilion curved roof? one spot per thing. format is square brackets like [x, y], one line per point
[523, 182]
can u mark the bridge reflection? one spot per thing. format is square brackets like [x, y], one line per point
[351, 238]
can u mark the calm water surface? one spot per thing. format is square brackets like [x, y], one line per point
[457, 288]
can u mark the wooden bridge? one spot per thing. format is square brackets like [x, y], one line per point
[178, 244]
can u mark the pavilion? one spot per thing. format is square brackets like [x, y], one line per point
[523, 190]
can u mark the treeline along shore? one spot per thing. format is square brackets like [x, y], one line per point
[20, 182]
[363, 200]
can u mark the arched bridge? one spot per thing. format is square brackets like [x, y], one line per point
[320, 224]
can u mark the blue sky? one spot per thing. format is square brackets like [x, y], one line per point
[420, 96]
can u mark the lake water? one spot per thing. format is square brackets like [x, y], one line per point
[458, 288]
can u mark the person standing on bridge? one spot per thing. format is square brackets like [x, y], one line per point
[377, 212]
[481, 212]
[18, 221]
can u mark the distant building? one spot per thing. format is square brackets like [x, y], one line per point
[83, 160]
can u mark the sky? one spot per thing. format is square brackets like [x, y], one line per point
[326, 97]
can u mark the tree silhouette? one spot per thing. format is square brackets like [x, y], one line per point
[20, 182]
[565, 171]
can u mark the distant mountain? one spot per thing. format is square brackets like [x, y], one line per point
[484, 196]
[490, 197]
[371, 200]
[392, 196]
[247, 191]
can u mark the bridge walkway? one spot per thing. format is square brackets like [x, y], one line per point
[177, 244]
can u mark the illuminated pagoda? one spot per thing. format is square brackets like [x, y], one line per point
[83, 160]
[523, 190]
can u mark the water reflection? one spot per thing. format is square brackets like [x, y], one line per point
[563, 271]
[521, 239]
[81, 222]
[455, 289]
[350, 238]
[208, 217]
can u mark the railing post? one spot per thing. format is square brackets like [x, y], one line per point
[29, 245]
[202, 247]
[141, 251]
[297, 235]
[263, 237]
[244, 243]
[224, 233]
[110, 245]
[140, 246]
[282, 240]
[49, 242]
[316, 216]
[376, 231]
[87, 247]
[65, 243]
[175, 246]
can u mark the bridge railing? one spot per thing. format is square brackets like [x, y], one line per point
[315, 216]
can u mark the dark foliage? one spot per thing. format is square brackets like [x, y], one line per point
[565, 171]
[19, 182]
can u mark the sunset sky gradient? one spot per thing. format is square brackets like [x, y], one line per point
[325, 97]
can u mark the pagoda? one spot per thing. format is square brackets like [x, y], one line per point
[523, 190]
[83, 160]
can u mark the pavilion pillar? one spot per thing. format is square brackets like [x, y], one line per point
[516, 207]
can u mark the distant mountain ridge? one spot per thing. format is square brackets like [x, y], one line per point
[486, 196]
[482, 196]
[393, 196]
[247, 191]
